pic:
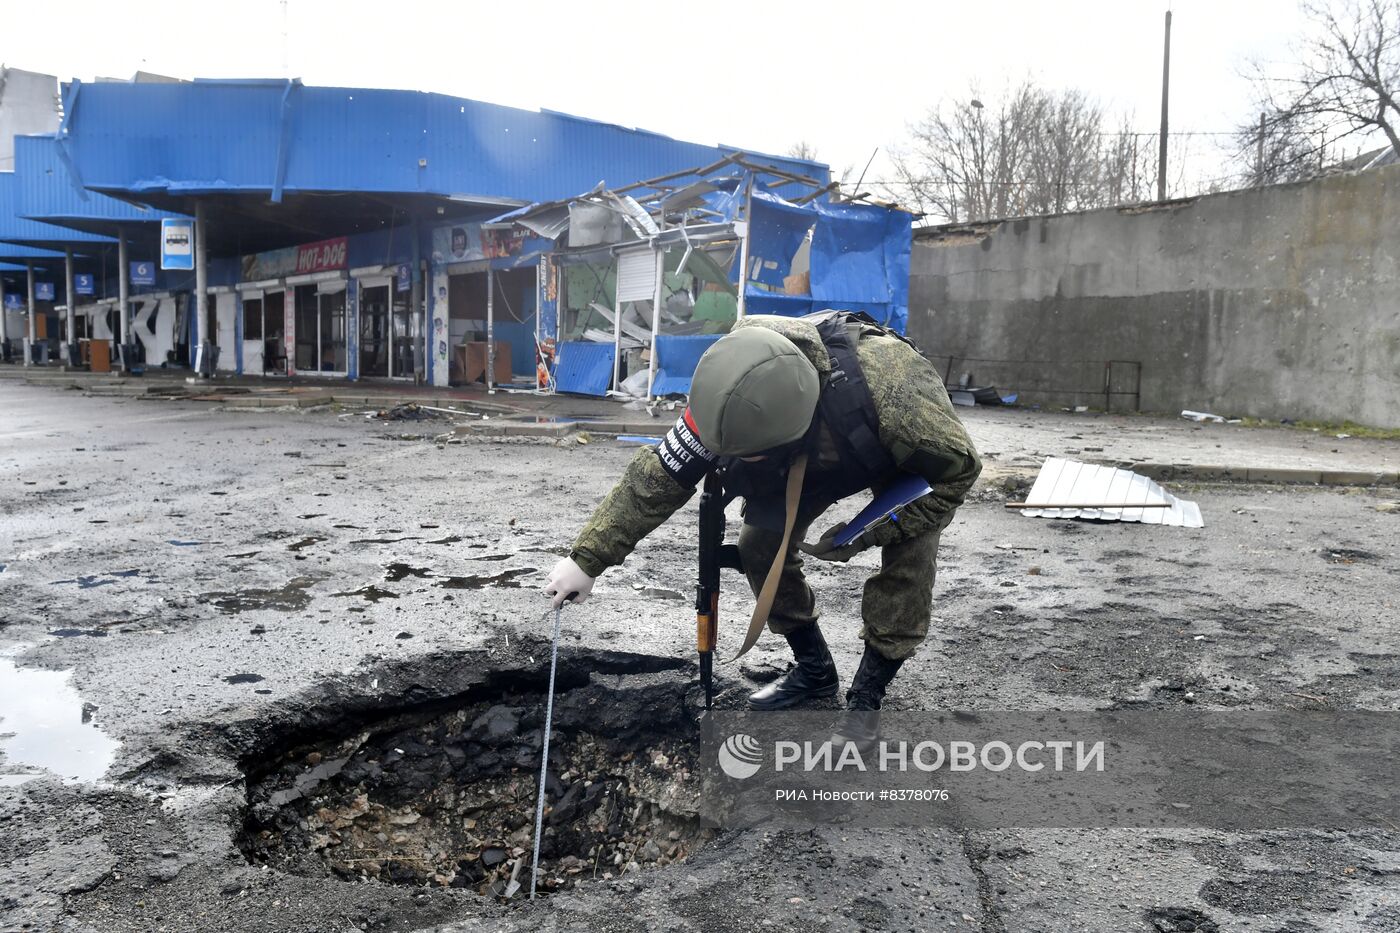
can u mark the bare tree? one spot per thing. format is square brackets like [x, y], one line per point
[1347, 83]
[1276, 148]
[1031, 151]
[1129, 161]
[802, 149]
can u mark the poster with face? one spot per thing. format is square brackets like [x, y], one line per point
[464, 242]
[457, 243]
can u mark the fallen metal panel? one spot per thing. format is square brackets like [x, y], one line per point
[1067, 482]
[584, 368]
[676, 358]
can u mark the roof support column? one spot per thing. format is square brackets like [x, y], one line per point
[70, 330]
[123, 297]
[4, 325]
[198, 337]
[490, 331]
[30, 334]
[418, 313]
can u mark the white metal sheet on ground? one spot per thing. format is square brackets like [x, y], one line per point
[1068, 482]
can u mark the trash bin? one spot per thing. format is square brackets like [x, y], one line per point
[133, 357]
[207, 360]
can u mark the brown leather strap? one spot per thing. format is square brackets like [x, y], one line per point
[775, 572]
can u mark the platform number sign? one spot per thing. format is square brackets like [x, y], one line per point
[403, 278]
[82, 284]
[176, 243]
[143, 273]
[43, 291]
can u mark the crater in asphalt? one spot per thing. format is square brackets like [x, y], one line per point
[446, 796]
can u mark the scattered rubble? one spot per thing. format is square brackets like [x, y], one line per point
[448, 801]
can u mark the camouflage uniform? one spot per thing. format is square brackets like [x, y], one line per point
[917, 427]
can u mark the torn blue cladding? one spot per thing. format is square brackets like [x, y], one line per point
[776, 230]
[676, 359]
[584, 368]
[758, 302]
[848, 254]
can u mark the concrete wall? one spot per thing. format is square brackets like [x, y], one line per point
[1278, 302]
[28, 105]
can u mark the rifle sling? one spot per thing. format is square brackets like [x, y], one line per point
[775, 572]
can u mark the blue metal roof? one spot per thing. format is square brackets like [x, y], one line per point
[205, 137]
[48, 193]
[24, 232]
[12, 253]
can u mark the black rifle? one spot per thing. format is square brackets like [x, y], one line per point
[714, 554]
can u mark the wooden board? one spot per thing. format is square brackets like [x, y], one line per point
[99, 356]
[471, 361]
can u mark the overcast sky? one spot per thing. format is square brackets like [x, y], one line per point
[846, 77]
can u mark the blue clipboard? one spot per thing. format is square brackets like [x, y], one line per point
[887, 504]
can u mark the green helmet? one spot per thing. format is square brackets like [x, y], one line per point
[753, 391]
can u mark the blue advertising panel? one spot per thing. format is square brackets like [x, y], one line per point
[143, 273]
[176, 243]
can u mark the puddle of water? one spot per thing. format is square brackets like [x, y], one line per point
[560, 550]
[398, 570]
[42, 727]
[506, 578]
[304, 543]
[351, 527]
[99, 579]
[658, 592]
[243, 678]
[178, 543]
[370, 592]
[449, 539]
[381, 540]
[75, 632]
[287, 598]
[244, 554]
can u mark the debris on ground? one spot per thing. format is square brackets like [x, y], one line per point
[968, 396]
[1205, 416]
[412, 411]
[1070, 489]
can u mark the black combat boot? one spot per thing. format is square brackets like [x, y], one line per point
[861, 722]
[814, 674]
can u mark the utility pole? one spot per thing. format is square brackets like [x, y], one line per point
[1259, 155]
[1162, 133]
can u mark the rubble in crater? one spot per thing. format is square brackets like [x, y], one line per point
[448, 799]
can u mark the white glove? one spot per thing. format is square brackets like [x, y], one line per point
[567, 581]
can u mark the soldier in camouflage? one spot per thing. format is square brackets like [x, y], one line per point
[867, 408]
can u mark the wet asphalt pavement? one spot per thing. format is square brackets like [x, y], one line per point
[222, 584]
